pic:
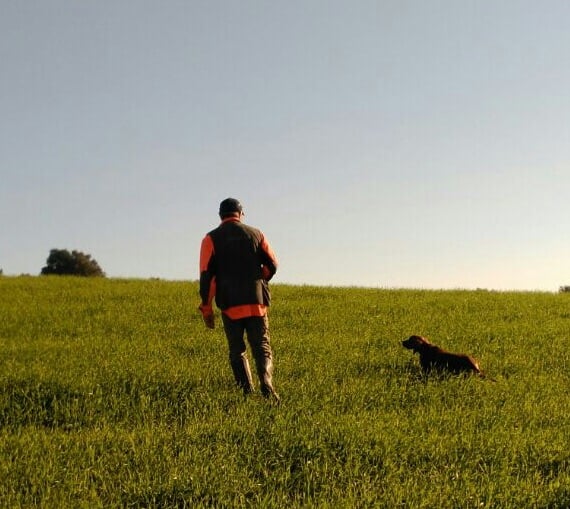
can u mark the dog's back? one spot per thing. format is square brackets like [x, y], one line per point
[436, 358]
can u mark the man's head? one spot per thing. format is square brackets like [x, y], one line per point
[230, 207]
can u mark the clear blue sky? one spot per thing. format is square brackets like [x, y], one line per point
[376, 143]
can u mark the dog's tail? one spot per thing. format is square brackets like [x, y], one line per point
[485, 377]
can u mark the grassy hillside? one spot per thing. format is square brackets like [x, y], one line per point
[113, 394]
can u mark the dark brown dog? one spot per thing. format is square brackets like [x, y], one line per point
[433, 358]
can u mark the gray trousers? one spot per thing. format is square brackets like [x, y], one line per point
[257, 330]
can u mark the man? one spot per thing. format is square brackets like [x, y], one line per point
[236, 263]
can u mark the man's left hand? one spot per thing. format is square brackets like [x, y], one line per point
[207, 316]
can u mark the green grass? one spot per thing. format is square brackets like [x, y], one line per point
[114, 394]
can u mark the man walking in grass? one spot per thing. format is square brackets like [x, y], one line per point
[236, 264]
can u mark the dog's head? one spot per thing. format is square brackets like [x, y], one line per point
[415, 343]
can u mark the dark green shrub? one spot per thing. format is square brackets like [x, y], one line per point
[76, 263]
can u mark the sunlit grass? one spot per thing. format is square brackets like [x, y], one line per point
[114, 394]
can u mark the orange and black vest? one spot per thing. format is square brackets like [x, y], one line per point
[235, 264]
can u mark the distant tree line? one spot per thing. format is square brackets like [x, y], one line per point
[61, 262]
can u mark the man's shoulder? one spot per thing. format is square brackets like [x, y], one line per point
[227, 228]
[236, 225]
[251, 228]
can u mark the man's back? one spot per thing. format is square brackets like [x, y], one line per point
[237, 251]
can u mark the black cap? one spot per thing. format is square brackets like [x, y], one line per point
[230, 206]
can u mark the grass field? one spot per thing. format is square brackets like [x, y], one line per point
[114, 394]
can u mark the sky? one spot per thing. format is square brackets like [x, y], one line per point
[388, 143]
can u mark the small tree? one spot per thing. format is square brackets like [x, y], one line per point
[565, 289]
[76, 263]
